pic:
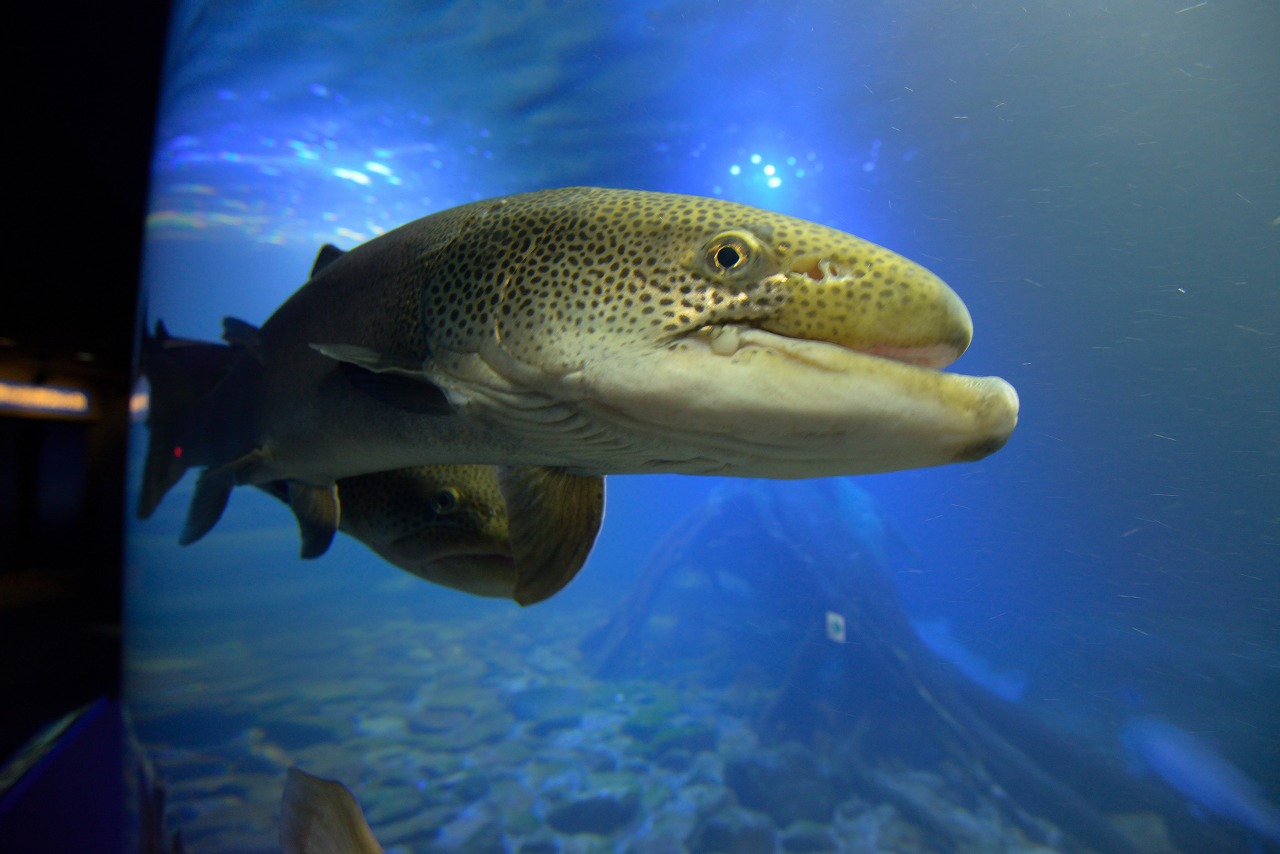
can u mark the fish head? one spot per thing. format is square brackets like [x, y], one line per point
[517, 533]
[705, 336]
[804, 281]
[447, 524]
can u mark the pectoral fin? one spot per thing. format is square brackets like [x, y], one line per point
[370, 360]
[391, 380]
[212, 491]
[554, 517]
[316, 509]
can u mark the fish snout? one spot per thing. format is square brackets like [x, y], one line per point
[875, 302]
[995, 411]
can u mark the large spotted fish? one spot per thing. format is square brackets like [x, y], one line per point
[593, 331]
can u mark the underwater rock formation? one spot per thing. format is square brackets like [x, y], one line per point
[785, 591]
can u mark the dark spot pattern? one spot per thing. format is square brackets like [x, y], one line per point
[555, 272]
[431, 502]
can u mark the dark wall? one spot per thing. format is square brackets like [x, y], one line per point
[81, 116]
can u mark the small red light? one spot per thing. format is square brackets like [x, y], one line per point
[177, 450]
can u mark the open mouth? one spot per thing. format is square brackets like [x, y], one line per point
[442, 551]
[935, 357]
[476, 552]
[727, 339]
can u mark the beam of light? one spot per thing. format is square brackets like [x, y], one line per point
[758, 176]
[25, 398]
[351, 175]
[139, 404]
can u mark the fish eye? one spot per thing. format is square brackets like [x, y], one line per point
[445, 500]
[727, 257]
[730, 253]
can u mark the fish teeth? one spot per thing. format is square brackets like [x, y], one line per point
[725, 340]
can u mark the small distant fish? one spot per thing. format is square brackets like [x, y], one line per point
[1198, 772]
[320, 816]
[936, 634]
[448, 524]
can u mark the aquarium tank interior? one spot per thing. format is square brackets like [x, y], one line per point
[604, 520]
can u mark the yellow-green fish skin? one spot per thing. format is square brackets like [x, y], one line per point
[609, 331]
[445, 524]
[519, 534]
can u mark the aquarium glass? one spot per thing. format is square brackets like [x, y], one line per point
[1072, 644]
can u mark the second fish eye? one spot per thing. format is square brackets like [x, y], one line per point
[444, 500]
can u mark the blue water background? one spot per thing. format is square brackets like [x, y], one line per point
[1099, 181]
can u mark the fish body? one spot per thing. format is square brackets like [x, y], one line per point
[450, 525]
[936, 634]
[1201, 774]
[447, 524]
[599, 331]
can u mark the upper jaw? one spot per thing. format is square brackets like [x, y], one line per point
[832, 301]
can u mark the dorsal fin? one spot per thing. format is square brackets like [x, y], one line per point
[244, 335]
[326, 256]
[237, 332]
